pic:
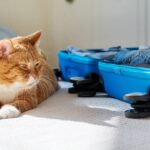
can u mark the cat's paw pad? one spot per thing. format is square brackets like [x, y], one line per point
[9, 111]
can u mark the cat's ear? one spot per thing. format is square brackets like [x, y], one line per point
[6, 47]
[34, 38]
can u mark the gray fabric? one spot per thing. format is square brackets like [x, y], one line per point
[6, 33]
[95, 53]
[132, 57]
[116, 55]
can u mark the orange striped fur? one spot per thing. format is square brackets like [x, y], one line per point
[25, 77]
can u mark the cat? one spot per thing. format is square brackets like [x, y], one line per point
[25, 77]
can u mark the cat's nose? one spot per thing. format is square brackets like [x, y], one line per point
[35, 76]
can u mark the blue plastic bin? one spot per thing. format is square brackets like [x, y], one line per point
[72, 65]
[120, 79]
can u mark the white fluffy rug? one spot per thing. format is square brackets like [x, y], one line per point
[66, 122]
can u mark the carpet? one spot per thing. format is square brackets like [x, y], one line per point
[67, 122]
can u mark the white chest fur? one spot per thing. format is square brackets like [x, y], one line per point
[8, 93]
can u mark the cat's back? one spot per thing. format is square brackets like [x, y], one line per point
[47, 85]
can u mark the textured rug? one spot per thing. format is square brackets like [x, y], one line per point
[66, 122]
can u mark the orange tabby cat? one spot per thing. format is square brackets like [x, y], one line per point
[25, 77]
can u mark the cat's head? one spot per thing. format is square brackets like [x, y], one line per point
[21, 60]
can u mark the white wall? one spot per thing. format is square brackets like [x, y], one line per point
[95, 24]
[84, 23]
[69, 24]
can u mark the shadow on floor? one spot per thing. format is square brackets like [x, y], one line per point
[65, 106]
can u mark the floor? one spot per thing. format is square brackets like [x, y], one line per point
[67, 122]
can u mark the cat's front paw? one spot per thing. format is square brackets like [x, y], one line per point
[9, 111]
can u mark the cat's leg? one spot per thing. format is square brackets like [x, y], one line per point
[14, 109]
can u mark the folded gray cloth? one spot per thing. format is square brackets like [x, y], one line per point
[117, 55]
[132, 57]
[100, 54]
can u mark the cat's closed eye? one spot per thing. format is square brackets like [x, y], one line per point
[23, 66]
[37, 64]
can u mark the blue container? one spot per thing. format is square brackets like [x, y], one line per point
[120, 79]
[72, 65]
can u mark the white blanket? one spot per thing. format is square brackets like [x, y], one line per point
[66, 122]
